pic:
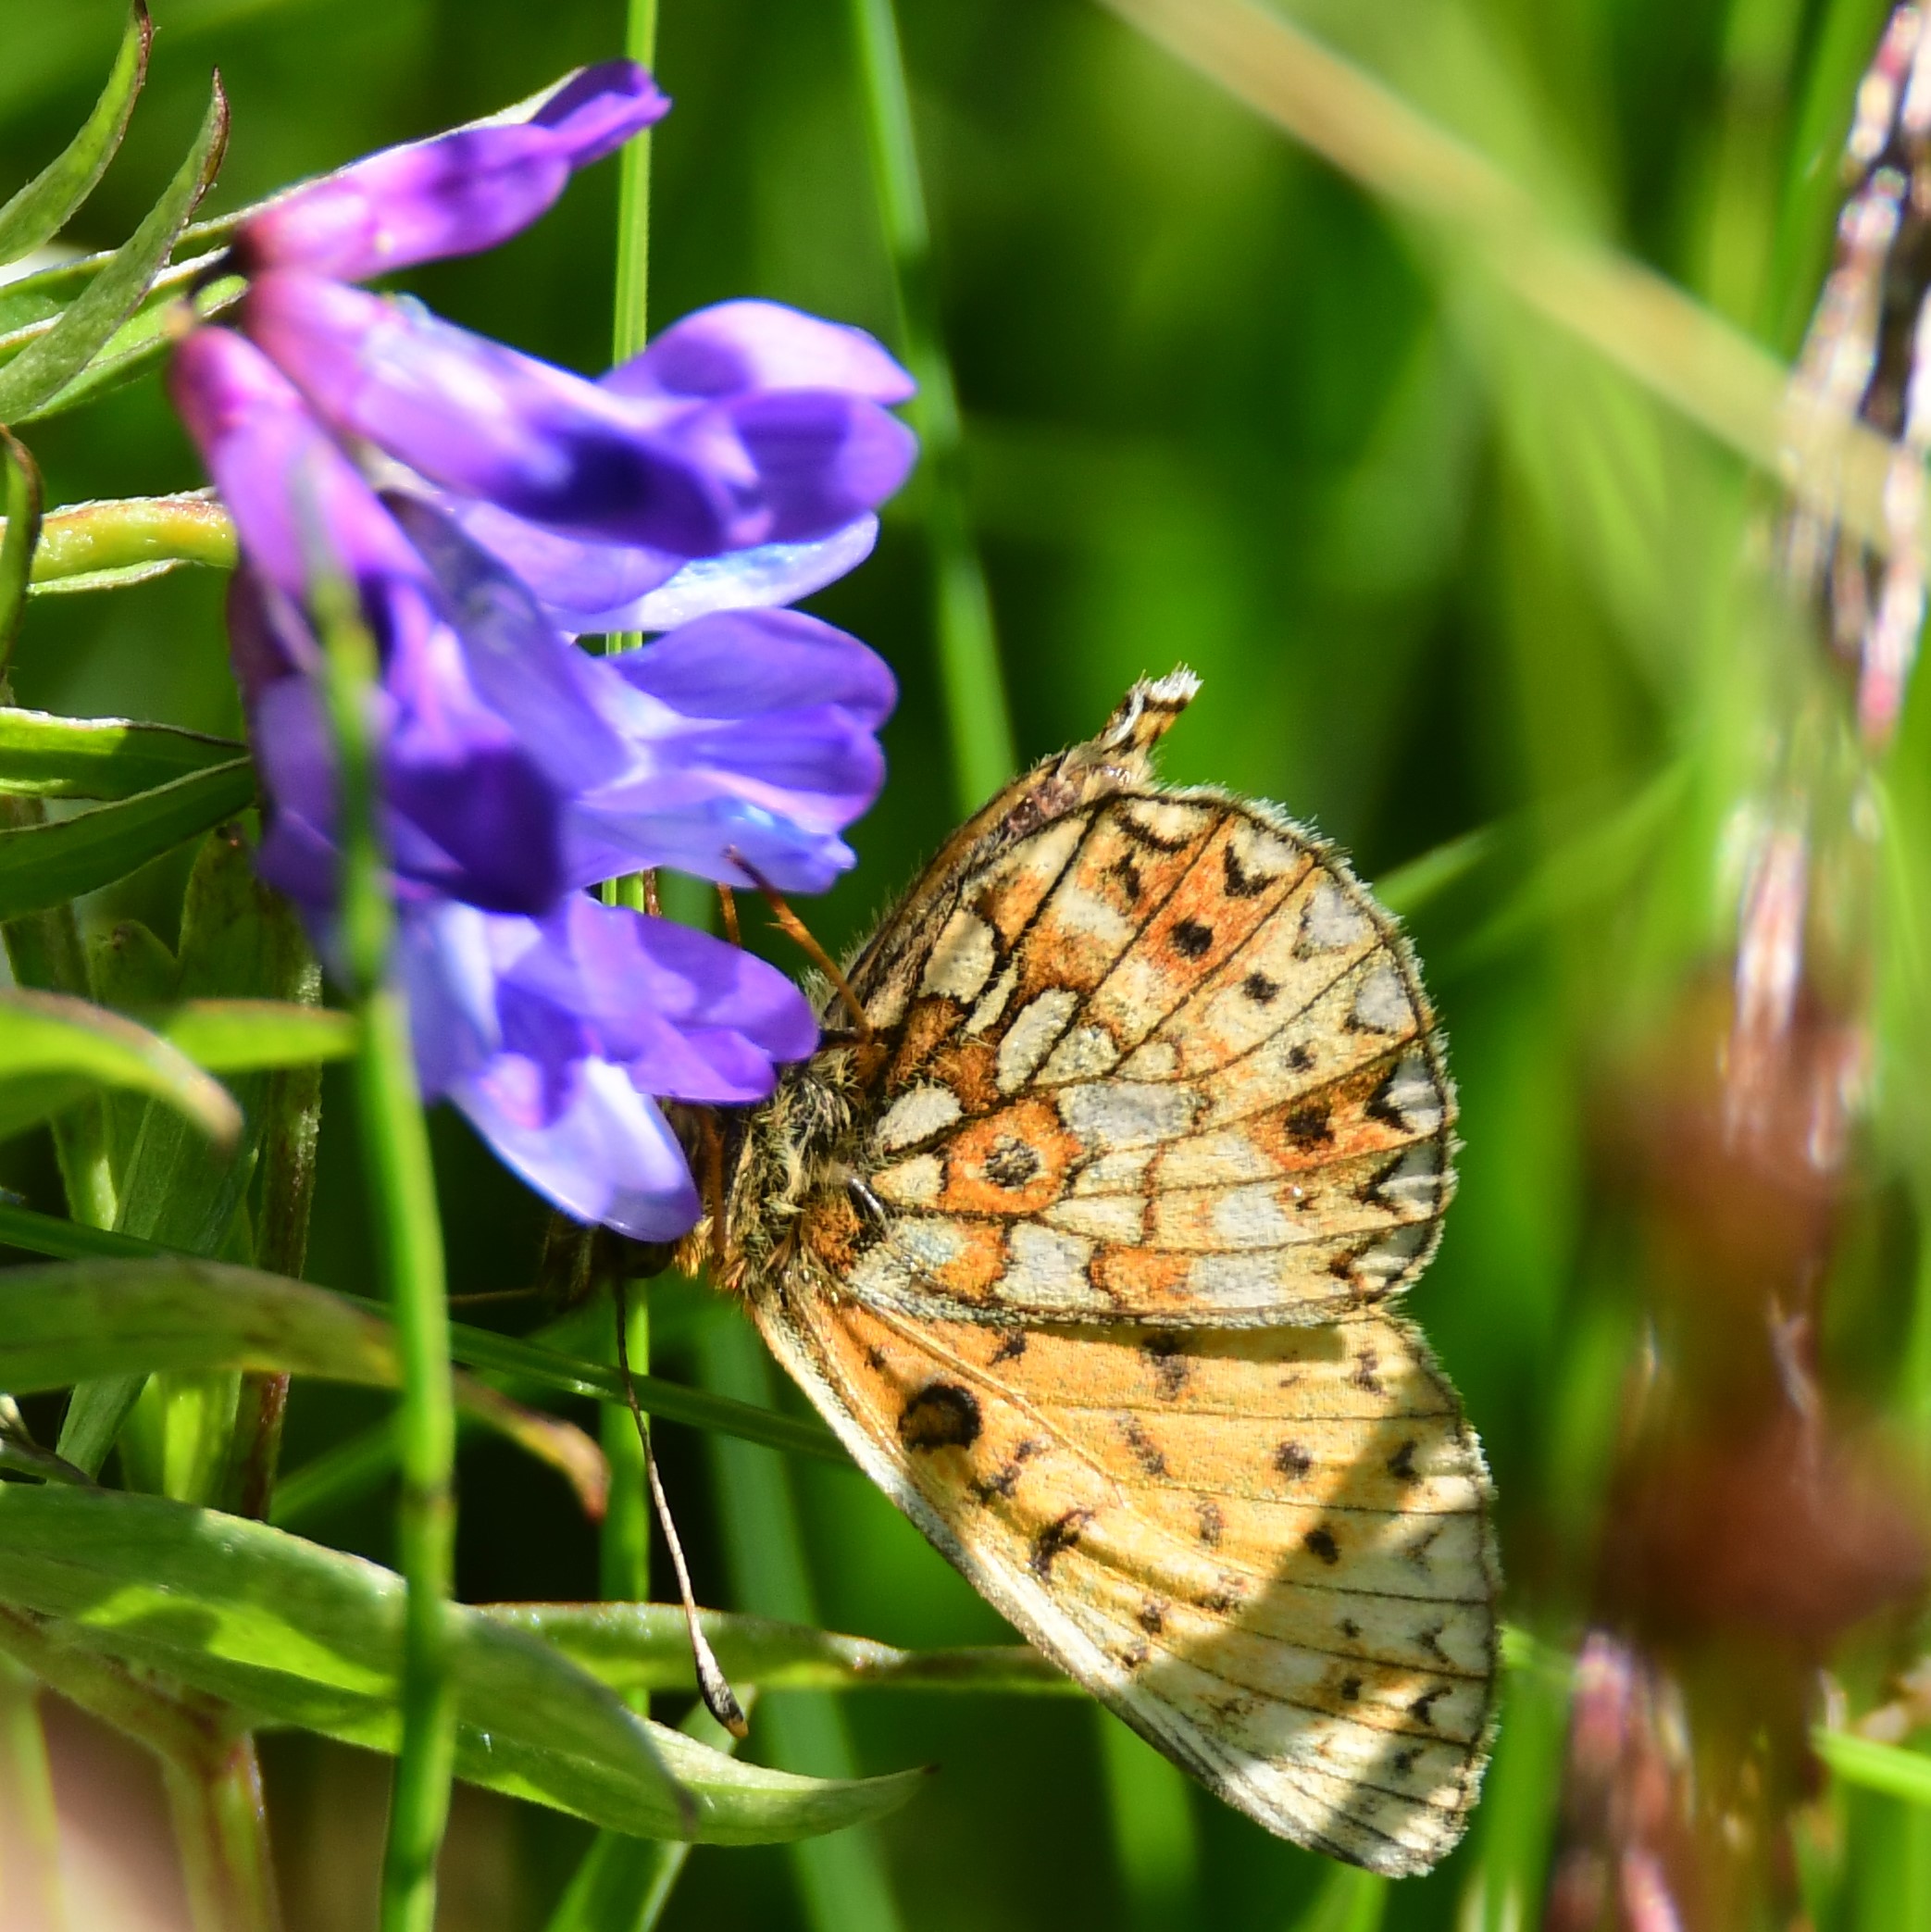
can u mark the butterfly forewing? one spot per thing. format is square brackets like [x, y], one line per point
[1162, 1061]
[1080, 1249]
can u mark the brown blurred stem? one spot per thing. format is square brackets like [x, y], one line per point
[214, 1784]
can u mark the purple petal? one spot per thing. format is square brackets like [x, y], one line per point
[457, 193]
[736, 348]
[768, 574]
[743, 664]
[583, 587]
[799, 463]
[295, 498]
[604, 1153]
[480, 420]
[754, 747]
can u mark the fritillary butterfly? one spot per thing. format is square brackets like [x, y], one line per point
[1084, 1245]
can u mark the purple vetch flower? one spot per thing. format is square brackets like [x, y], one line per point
[457, 193]
[513, 766]
[554, 1035]
[748, 431]
[663, 473]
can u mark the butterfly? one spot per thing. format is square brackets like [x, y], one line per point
[1080, 1230]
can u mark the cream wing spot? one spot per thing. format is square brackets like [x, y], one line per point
[1115, 1113]
[961, 960]
[914, 1183]
[917, 1114]
[1031, 1036]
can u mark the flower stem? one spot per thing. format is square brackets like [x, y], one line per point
[402, 1188]
[968, 649]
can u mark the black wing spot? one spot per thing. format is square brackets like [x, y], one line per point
[1056, 1539]
[1241, 882]
[1381, 1109]
[1128, 873]
[941, 1415]
[1146, 1451]
[1152, 1615]
[1350, 1629]
[1212, 1525]
[1259, 988]
[1350, 1690]
[1011, 1162]
[1171, 1367]
[1402, 1763]
[1300, 1058]
[1322, 1542]
[1191, 940]
[1400, 1465]
[1422, 1709]
[1292, 1461]
[1308, 1125]
[1364, 1377]
[1012, 1345]
[1135, 1654]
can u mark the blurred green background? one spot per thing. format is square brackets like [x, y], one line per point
[1439, 569]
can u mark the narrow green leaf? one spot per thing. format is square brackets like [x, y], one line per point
[22, 498]
[1877, 1768]
[644, 1646]
[83, 1321]
[249, 1036]
[527, 1362]
[48, 1039]
[40, 209]
[46, 756]
[45, 865]
[49, 364]
[135, 346]
[295, 1635]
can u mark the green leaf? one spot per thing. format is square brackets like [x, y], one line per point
[1878, 1768]
[22, 498]
[526, 1362]
[43, 206]
[644, 1646]
[45, 865]
[47, 364]
[136, 346]
[46, 756]
[295, 1635]
[52, 1044]
[82, 1321]
[248, 1036]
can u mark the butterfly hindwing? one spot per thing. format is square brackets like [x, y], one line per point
[1267, 1550]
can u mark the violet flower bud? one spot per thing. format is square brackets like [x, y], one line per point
[454, 194]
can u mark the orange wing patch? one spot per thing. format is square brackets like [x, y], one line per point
[1265, 1550]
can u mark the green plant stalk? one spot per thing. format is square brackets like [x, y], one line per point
[290, 1142]
[401, 1187]
[124, 534]
[977, 711]
[843, 1879]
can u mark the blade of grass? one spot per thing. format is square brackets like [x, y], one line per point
[1706, 370]
[977, 712]
[480, 1349]
[1877, 1768]
[39, 210]
[844, 1880]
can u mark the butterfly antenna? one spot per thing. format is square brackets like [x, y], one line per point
[719, 1698]
[795, 927]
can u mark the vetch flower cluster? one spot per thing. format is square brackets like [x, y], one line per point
[485, 505]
